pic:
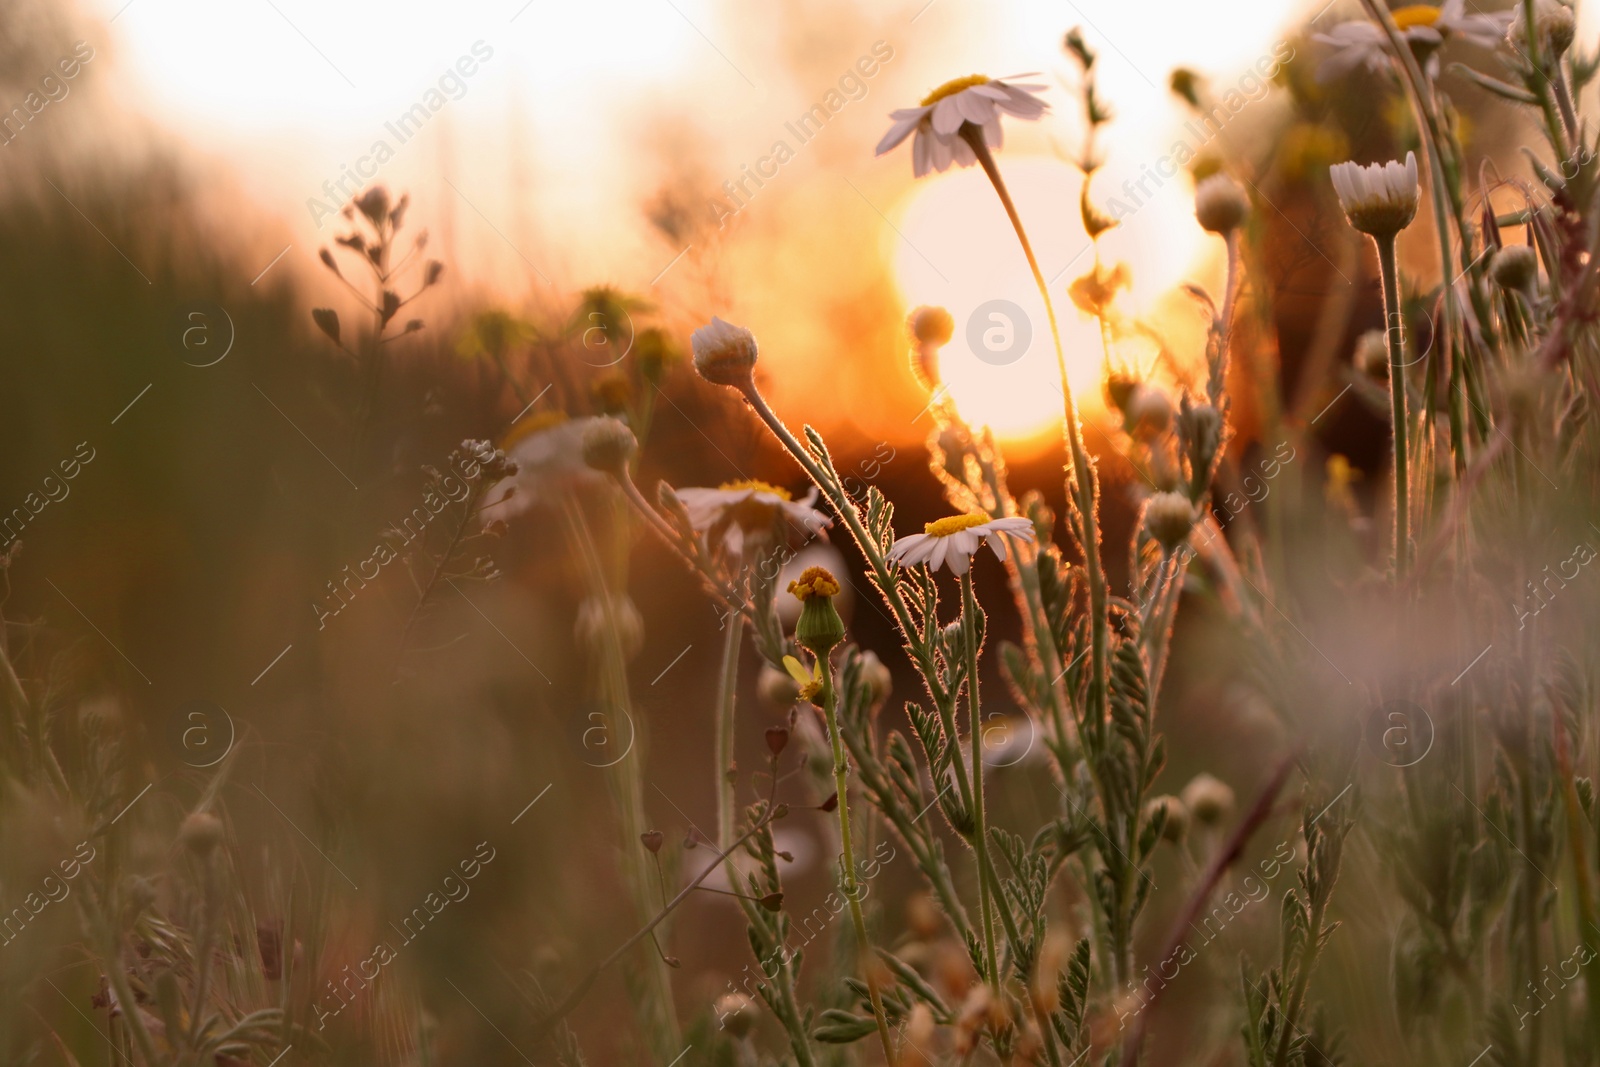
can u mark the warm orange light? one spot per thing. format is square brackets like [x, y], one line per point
[957, 249]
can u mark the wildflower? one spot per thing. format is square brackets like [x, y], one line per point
[612, 392]
[931, 329]
[735, 511]
[938, 122]
[820, 627]
[1515, 267]
[548, 450]
[1148, 412]
[1094, 292]
[655, 352]
[1220, 205]
[931, 326]
[1208, 798]
[1169, 517]
[606, 617]
[724, 354]
[608, 445]
[954, 539]
[1380, 200]
[201, 833]
[1424, 27]
[777, 688]
[1177, 824]
[736, 1013]
[1372, 353]
[1553, 22]
[877, 678]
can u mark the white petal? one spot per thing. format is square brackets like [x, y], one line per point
[998, 543]
[959, 561]
[902, 129]
[974, 108]
[922, 152]
[947, 117]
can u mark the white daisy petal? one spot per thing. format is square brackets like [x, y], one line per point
[938, 142]
[903, 128]
[947, 117]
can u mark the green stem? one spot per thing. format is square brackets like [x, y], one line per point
[980, 832]
[726, 699]
[1395, 330]
[852, 891]
[1084, 492]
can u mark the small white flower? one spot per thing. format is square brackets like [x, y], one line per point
[548, 450]
[954, 539]
[724, 354]
[1380, 200]
[727, 514]
[1362, 43]
[937, 122]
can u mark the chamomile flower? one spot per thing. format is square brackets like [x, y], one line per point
[1380, 200]
[737, 511]
[1363, 44]
[937, 122]
[548, 449]
[954, 539]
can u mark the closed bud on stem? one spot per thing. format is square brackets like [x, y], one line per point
[1220, 205]
[820, 628]
[608, 445]
[201, 833]
[725, 354]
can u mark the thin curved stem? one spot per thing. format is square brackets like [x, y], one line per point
[1085, 491]
[980, 833]
[1395, 333]
[852, 891]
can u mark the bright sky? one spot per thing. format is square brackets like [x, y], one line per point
[567, 98]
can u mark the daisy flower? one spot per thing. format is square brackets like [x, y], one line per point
[938, 122]
[1380, 200]
[954, 539]
[548, 449]
[735, 510]
[1363, 44]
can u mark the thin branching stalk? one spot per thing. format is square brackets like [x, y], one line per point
[980, 833]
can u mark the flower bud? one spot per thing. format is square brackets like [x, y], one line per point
[200, 833]
[820, 628]
[1208, 798]
[724, 354]
[777, 688]
[736, 1013]
[931, 326]
[1148, 412]
[1220, 205]
[1169, 517]
[1515, 267]
[601, 614]
[1177, 824]
[608, 445]
[877, 677]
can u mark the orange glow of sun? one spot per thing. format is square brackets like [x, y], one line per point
[955, 247]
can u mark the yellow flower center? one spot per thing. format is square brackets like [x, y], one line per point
[1415, 15]
[533, 424]
[951, 88]
[953, 524]
[815, 581]
[756, 485]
